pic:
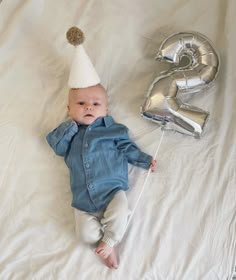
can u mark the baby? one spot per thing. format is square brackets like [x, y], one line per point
[97, 152]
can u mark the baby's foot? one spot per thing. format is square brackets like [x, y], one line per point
[111, 260]
[103, 250]
[107, 254]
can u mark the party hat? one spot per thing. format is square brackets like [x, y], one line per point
[82, 72]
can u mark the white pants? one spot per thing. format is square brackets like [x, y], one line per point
[108, 225]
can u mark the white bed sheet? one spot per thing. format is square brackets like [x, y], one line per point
[184, 225]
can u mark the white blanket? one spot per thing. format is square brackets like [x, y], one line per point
[184, 226]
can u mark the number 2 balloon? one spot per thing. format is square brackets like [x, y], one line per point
[162, 104]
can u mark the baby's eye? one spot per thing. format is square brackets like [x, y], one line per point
[96, 104]
[81, 103]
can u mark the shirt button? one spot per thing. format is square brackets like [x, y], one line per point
[89, 128]
[87, 165]
[90, 186]
[86, 145]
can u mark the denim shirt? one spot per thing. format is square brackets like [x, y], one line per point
[97, 157]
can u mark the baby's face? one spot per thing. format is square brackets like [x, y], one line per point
[85, 105]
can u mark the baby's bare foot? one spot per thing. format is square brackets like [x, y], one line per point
[107, 254]
[111, 260]
[103, 250]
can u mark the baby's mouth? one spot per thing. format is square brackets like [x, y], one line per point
[88, 115]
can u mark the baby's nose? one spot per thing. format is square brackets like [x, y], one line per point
[88, 107]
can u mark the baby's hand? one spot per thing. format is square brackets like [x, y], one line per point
[153, 165]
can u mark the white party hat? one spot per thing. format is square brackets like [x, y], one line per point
[82, 73]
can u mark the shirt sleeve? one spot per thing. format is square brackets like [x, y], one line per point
[133, 154]
[60, 138]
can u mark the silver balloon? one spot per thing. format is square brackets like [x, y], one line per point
[162, 104]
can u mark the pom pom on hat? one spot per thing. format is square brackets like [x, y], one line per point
[82, 73]
[75, 36]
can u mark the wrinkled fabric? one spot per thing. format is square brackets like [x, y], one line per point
[184, 225]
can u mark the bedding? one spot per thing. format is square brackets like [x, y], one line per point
[184, 224]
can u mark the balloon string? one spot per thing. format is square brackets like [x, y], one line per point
[144, 184]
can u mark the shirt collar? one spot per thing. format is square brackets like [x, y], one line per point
[108, 121]
[102, 121]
